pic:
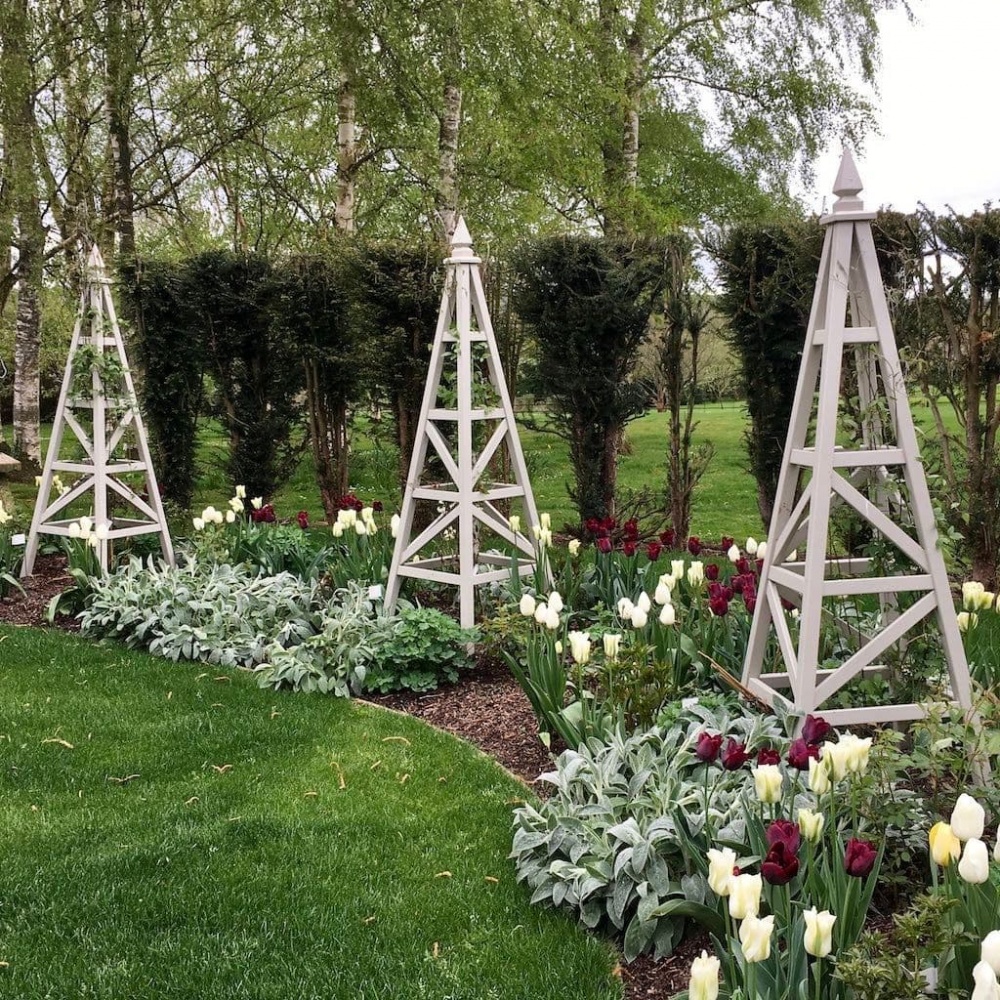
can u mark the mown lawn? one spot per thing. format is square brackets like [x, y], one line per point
[171, 832]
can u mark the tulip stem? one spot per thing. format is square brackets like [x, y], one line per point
[817, 972]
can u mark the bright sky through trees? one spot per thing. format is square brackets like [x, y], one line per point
[936, 108]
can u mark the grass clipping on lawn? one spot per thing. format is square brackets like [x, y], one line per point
[171, 832]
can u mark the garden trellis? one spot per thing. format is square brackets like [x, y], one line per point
[466, 406]
[98, 405]
[882, 484]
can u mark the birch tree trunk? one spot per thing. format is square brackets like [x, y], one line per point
[447, 192]
[27, 346]
[347, 153]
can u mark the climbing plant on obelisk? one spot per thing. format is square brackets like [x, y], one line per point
[873, 601]
[466, 418]
[104, 459]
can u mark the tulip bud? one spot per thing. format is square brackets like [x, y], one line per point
[667, 615]
[639, 618]
[819, 776]
[761, 550]
[230, 516]
[552, 620]
[337, 529]
[975, 864]
[101, 531]
[966, 620]
[198, 522]
[579, 647]
[360, 528]
[696, 574]
[625, 608]
[751, 546]
[612, 645]
[662, 594]
[704, 984]
[559, 647]
[541, 610]
[676, 568]
[733, 554]
[85, 525]
[644, 603]
[767, 782]
[241, 492]
[811, 824]
[985, 979]
[835, 759]
[556, 601]
[744, 896]
[720, 870]
[971, 591]
[394, 525]
[574, 546]
[968, 818]
[990, 951]
[527, 605]
[755, 937]
[819, 932]
[515, 523]
[945, 846]
[544, 538]
[546, 521]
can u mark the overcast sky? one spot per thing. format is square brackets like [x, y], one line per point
[938, 111]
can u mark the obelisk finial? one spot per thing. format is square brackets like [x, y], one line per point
[847, 186]
[461, 245]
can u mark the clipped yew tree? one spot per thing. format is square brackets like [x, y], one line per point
[767, 274]
[398, 290]
[256, 367]
[310, 305]
[171, 358]
[587, 301]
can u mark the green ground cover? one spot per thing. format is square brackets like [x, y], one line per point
[175, 833]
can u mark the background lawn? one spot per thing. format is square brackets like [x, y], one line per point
[174, 832]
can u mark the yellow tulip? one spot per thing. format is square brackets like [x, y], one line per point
[945, 846]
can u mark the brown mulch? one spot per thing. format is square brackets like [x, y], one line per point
[487, 708]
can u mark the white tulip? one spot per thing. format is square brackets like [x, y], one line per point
[696, 573]
[819, 932]
[767, 782]
[85, 525]
[761, 550]
[257, 503]
[541, 611]
[644, 603]
[720, 870]
[574, 546]
[241, 492]
[552, 619]
[755, 937]
[625, 607]
[394, 525]
[74, 529]
[704, 982]
[968, 818]
[744, 896]
[338, 529]
[985, 979]
[556, 601]
[667, 615]
[527, 605]
[662, 594]
[102, 531]
[230, 517]
[819, 776]
[546, 521]
[733, 553]
[360, 528]
[676, 568]
[514, 522]
[198, 522]
[974, 867]
[612, 645]
[751, 546]
[639, 618]
[990, 950]
[579, 647]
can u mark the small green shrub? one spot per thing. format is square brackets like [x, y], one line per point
[420, 648]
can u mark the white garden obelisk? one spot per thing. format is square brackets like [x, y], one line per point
[882, 483]
[98, 404]
[466, 404]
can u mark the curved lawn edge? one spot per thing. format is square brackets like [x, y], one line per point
[175, 831]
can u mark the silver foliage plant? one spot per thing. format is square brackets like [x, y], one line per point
[607, 845]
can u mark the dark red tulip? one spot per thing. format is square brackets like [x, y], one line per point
[668, 538]
[768, 755]
[784, 831]
[743, 566]
[708, 746]
[750, 602]
[780, 866]
[303, 518]
[604, 545]
[631, 530]
[592, 525]
[735, 755]
[377, 506]
[694, 545]
[653, 550]
[800, 753]
[859, 858]
[711, 572]
[719, 606]
[727, 543]
[629, 547]
[815, 729]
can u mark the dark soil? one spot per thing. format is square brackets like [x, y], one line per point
[487, 708]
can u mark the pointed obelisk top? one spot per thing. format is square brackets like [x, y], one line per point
[847, 185]
[461, 245]
[96, 271]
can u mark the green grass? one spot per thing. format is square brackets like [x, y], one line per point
[174, 833]
[725, 501]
